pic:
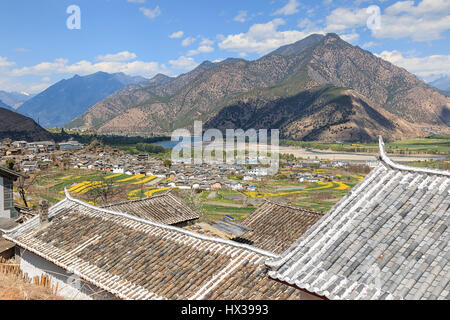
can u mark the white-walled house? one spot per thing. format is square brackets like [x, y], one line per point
[7, 178]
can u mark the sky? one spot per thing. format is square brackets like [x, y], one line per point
[44, 41]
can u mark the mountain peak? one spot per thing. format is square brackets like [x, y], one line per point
[299, 46]
[76, 95]
[332, 35]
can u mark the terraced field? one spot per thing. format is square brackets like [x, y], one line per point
[83, 184]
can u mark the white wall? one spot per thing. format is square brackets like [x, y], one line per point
[3, 213]
[69, 285]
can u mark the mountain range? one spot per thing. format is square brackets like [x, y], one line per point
[4, 105]
[319, 88]
[14, 99]
[68, 98]
[18, 127]
[442, 83]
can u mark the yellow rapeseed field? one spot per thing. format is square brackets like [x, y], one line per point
[132, 195]
[138, 176]
[151, 192]
[341, 186]
[113, 176]
[149, 178]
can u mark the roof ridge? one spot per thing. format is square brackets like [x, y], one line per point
[295, 208]
[176, 229]
[386, 160]
[11, 172]
[136, 200]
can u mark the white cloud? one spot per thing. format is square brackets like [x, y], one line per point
[176, 35]
[121, 56]
[5, 63]
[290, 8]
[429, 68]
[306, 24]
[204, 47]
[21, 79]
[425, 7]
[342, 19]
[241, 16]
[422, 22]
[149, 13]
[350, 37]
[83, 67]
[369, 44]
[188, 41]
[262, 38]
[200, 49]
[22, 50]
[206, 42]
[36, 88]
[408, 26]
[183, 63]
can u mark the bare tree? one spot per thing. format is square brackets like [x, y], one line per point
[104, 192]
[23, 184]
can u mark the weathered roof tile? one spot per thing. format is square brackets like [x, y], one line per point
[135, 258]
[164, 208]
[275, 227]
[388, 238]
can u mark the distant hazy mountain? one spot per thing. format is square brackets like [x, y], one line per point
[319, 88]
[67, 99]
[14, 99]
[441, 83]
[18, 127]
[130, 95]
[4, 105]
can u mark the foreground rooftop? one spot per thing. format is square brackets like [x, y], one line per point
[388, 238]
[134, 258]
[164, 209]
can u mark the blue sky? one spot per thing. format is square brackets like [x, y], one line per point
[145, 37]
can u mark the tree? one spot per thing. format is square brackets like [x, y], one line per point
[167, 163]
[65, 162]
[10, 163]
[104, 192]
[23, 185]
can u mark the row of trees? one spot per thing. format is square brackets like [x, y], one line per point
[150, 148]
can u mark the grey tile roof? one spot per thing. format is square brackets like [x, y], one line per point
[387, 239]
[5, 172]
[134, 258]
[229, 227]
[164, 208]
[275, 227]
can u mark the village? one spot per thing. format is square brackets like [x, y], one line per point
[38, 156]
[236, 214]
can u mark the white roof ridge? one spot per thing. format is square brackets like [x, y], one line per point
[385, 158]
[176, 229]
[136, 200]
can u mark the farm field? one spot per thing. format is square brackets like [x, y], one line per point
[324, 189]
[320, 195]
[433, 145]
[88, 185]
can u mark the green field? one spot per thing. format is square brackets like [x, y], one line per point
[431, 145]
[84, 184]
